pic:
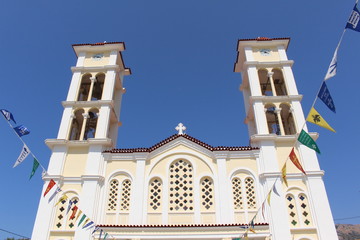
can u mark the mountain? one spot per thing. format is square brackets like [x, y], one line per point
[348, 231]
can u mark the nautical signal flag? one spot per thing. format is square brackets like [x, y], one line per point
[316, 118]
[305, 139]
[325, 96]
[35, 167]
[74, 210]
[7, 115]
[24, 153]
[296, 161]
[62, 199]
[333, 66]
[21, 130]
[283, 174]
[49, 187]
[353, 22]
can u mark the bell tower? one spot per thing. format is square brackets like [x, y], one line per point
[275, 118]
[89, 125]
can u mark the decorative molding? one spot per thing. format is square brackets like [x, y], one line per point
[97, 103]
[91, 141]
[268, 64]
[275, 99]
[82, 69]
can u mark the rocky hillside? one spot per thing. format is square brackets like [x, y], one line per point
[348, 231]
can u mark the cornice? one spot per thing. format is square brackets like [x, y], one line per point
[71, 143]
[268, 64]
[98, 103]
[272, 99]
[96, 69]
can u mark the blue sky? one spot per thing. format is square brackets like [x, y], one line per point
[181, 54]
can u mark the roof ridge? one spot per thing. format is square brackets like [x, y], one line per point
[186, 136]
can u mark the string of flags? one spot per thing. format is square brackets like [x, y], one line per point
[304, 138]
[85, 222]
[313, 117]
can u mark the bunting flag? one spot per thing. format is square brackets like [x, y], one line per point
[86, 221]
[314, 117]
[106, 234]
[275, 190]
[252, 225]
[54, 194]
[7, 115]
[88, 224]
[305, 139]
[74, 210]
[283, 174]
[81, 219]
[21, 130]
[24, 153]
[34, 168]
[62, 199]
[49, 187]
[324, 95]
[101, 231]
[96, 228]
[246, 236]
[263, 210]
[333, 66]
[353, 22]
[69, 207]
[77, 217]
[296, 161]
[269, 197]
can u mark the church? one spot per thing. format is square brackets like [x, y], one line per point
[182, 187]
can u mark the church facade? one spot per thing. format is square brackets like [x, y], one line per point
[181, 187]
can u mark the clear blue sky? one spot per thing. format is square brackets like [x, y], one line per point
[181, 54]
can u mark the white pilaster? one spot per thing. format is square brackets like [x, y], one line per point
[65, 123]
[260, 118]
[103, 122]
[74, 85]
[137, 198]
[224, 190]
[109, 85]
[254, 81]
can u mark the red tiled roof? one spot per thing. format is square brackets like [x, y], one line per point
[175, 136]
[97, 44]
[263, 39]
[181, 225]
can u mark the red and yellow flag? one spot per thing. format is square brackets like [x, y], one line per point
[74, 210]
[49, 187]
[296, 161]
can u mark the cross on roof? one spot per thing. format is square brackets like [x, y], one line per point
[180, 128]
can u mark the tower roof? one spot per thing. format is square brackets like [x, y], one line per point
[256, 42]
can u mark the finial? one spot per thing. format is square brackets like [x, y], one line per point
[104, 41]
[180, 128]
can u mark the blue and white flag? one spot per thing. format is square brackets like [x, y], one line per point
[54, 194]
[333, 65]
[69, 207]
[96, 228]
[21, 130]
[88, 225]
[24, 153]
[7, 115]
[353, 22]
[325, 96]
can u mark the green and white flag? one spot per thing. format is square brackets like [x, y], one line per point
[305, 139]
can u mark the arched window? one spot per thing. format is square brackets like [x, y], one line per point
[155, 194]
[84, 89]
[91, 122]
[76, 125]
[237, 193]
[279, 82]
[298, 209]
[98, 87]
[207, 194]
[181, 186]
[265, 84]
[272, 119]
[66, 213]
[250, 193]
[119, 195]
[113, 195]
[287, 119]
